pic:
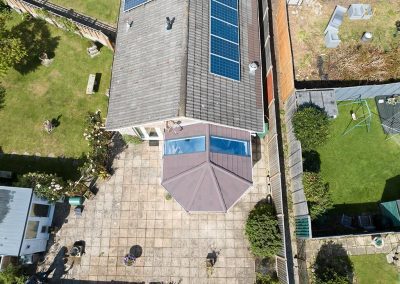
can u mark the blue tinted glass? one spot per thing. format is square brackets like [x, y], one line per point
[185, 145]
[130, 4]
[229, 146]
[224, 48]
[224, 30]
[230, 3]
[224, 13]
[225, 67]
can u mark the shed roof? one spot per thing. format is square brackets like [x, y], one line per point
[159, 74]
[14, 208]
[207, 181]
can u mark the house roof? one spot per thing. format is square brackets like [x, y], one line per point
[14, 208]
[207, 181]
[159, 74]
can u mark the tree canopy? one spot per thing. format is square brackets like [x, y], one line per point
[12, 50]
[317, 194]
[311, 126]
[263, 231]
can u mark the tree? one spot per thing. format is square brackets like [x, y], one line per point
[333, 265]
[317, 194]
[311, 126]
[12, 50]
[12, 275]
[263, 231]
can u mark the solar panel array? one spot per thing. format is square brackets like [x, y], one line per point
[224, 39]
[130, 4]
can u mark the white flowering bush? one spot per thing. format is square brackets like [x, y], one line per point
[47, 186]
[95, 164]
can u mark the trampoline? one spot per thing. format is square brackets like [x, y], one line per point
[389, 114]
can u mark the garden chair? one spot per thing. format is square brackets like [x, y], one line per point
[365, 222]
[347, 221]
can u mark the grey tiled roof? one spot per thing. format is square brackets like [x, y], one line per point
[148, 70]
[159, 74]
[216, 99]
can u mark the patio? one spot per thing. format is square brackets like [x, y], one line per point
[131, 209]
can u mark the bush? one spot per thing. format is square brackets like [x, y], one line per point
[317, 194]
[12, 275]
[265, 279]
[47, 186]
[99, 139]
[311, 127]
[263, 231]
[131, 139]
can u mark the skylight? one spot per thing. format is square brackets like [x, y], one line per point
[185, 145]
[229, 146]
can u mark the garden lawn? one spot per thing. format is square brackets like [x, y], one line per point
[53, 92]
[373, 269]
[360, 167]
[104, 10]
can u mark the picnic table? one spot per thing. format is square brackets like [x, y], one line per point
[90, 84]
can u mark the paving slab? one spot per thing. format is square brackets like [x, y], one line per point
[131, 209]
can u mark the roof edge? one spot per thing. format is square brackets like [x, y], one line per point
[184, 66]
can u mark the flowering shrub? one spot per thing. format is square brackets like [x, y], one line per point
[76, 188]
[47, 186]
[129, 259]
[98, 139]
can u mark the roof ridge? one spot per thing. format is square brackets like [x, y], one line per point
[199, 182]
[221, 197]
[232, 174]
[184, 173]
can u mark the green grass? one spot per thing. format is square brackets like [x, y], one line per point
[360, 167]
[104, 10]
[49, 92]
[373, 269]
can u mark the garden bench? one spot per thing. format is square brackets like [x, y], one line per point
[6, 174]
[90, 84]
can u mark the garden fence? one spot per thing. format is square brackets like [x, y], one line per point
[366, 92]
[295, 162]
[275, 183]
[83, 25]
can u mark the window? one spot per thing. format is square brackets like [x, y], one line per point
[32, 229]
[44, 229]
[152, 132]
[39, 210]
[139, 132]
[229, 146]
[185, 145]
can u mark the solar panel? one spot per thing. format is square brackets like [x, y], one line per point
[231, 3]
[130, 4]
[224, 13]
[224, 48]
[224, 39]
[224, 67]
[224, 30]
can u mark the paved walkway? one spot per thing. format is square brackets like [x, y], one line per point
[352, 245]
[131, 209]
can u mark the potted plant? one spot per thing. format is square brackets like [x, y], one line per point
[129, 259]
